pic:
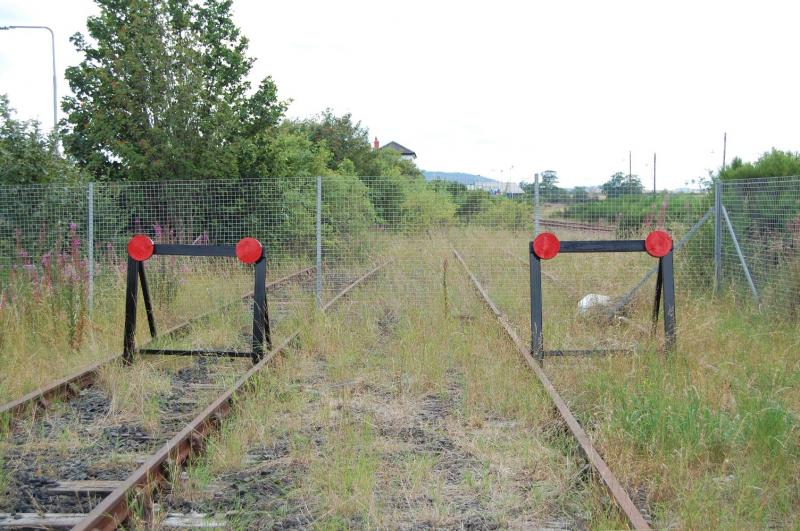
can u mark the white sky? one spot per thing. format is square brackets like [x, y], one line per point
[503, 89]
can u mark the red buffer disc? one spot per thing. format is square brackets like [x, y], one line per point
[546, 245]
[249, 250]
[140, 247]
[658, 243]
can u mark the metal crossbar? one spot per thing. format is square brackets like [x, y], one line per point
[665, 291]
[136, 276]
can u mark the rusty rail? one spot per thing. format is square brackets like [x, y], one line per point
[85, 377]
[612, 484]
[575, 225]
[64, 387]
[115, 508]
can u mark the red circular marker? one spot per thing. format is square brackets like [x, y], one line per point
[140, 247]
[249, 250]
[658, 243]
[546, 245]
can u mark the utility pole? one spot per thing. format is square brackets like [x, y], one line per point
[724, 149]
[654, 174]
[630, 166]
[53, 47]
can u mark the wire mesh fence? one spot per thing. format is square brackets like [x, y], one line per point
[580, 290]
[79, 232]
[761, 240]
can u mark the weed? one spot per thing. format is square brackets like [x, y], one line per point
[397, 408]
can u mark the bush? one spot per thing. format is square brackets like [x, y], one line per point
[505, 213]
[424, 208]
[347, 215]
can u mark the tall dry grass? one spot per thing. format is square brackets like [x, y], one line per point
[707, 437]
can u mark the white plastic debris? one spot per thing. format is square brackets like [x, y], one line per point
[593, 302]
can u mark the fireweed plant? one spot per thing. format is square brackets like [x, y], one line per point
[58, 282]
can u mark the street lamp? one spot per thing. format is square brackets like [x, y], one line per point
[53, 43]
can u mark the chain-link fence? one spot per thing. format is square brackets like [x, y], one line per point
[347, 224]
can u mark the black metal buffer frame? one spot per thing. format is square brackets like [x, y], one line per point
[248, 251]
[657, 244]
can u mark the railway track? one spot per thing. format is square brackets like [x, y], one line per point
[612, 484]
[85, 377]
[574, 225]
[112, 500]
[102, 497]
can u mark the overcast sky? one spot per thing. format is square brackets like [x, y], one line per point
[502, 89]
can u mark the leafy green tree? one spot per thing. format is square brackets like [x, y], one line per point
[351, 151]
[162, 92]
[26, 154]
[389, 178]
[622, 184]
[774, 163]
[347, 140]
[548, 188]
[284, 152]
[549, 181]
[527, 188]
[387, 161]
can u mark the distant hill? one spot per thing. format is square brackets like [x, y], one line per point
[458, 177]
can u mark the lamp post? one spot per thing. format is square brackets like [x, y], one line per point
[53, 44]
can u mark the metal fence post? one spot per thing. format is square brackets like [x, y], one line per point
[537, 215]
[319, 241]
[717, 236]
[90, 246]
[739, 252]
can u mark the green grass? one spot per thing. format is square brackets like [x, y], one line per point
[722, 432]
[708, 437]
[631, 212]
[37, 340]
[401, 409]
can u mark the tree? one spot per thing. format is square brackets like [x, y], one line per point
[549, 180]
[767, 213]
[26, 154]
[389, 179]
[162, 92]
[346, 139]
[774, 163]
[350, 148]
[548, 189]
[622, 184]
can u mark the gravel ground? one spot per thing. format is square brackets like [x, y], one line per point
[83, 440]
